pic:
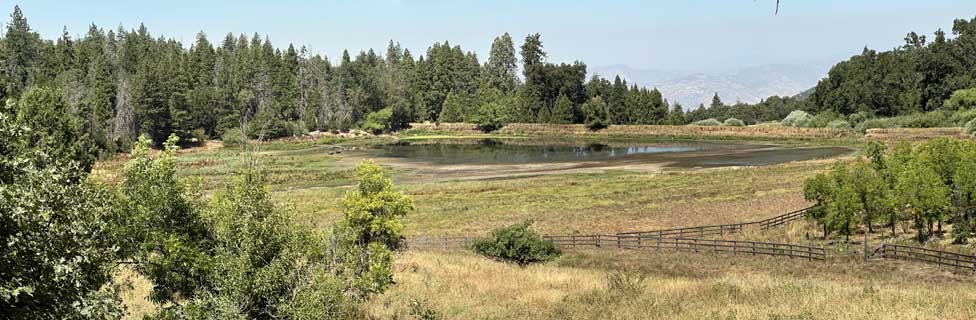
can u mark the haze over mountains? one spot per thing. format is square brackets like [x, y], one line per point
[749, 85]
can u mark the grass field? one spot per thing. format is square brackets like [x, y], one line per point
[607, 285]
[312, 176]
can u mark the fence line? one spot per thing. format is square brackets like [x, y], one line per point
[599, 241]
[722, 229]
[783, 219]
[956, 261]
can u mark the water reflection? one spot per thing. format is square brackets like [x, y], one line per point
[491, 151]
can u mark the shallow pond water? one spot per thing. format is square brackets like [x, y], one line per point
[676, 154]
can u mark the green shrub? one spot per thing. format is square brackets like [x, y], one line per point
[379, 122]
[797, 118]
[733, 122]
[516, 243]
[961, 99]
[876, 123]
[710, 122]
[839, 124]
[233, 137]
[821, 120]
[858, 117]
[491, 117]
[961, 232]
[962, 117]
[932, 119]
[971, 127]
[597, 114]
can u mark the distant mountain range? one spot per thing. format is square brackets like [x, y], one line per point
[749, 85]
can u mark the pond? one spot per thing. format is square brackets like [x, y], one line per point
[685, 154]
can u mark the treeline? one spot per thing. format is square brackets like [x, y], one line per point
[920, 188]
[917, 77]
[121, 84]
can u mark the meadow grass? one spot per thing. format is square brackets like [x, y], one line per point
[586, 285]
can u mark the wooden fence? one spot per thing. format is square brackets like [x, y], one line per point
[645, 242]
[690, 245]
[699, 232]
[721, 229]
[956, 261]
[783, 219]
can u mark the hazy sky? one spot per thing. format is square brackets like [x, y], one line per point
[687, 35]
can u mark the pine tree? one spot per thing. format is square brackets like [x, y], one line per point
[564, 111]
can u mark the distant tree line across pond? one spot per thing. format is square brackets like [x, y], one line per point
[120, 84]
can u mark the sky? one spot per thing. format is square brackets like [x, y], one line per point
[675, 35]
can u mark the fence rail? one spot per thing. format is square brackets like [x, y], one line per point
[735, 247]
[783, 219]
[957, 261]
[690, 245]
[721, 229]
[700, 232]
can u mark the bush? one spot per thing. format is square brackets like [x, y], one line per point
[962, 117]
[710, 122]
[516, 243]
[233, 137]
[839, 124]
[379, 121]
[797, 118]
[733, 122]
[971, 127]
[823, 119]
[876, 123]
[961, 99]
[858, 117]
[932, 119]
[491, 117]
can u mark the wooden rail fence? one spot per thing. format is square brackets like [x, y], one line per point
[783, 219]
[721, 229]
[735, 247]
[953, 260]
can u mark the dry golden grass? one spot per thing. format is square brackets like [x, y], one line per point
[678, 286]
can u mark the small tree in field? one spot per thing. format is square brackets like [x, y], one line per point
[516, 243]
[372, 229]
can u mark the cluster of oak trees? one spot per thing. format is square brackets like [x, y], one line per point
[920, 188]
[916, 77]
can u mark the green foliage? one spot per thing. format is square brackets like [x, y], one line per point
[961, 99]
[733, 122]
[59, 232]
[839, 124]
[233, 137]
[491, 117]
[516, 243]
[797, 118]
[711, 122]
[823, 119]
[971, 127]
[455, 109]
[166, 224]
[53, 128]
[371, 228]
[380, 121]
[929, 185]
[597, 114]
[563, 112]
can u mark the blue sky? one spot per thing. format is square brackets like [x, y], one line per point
[684, 35]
